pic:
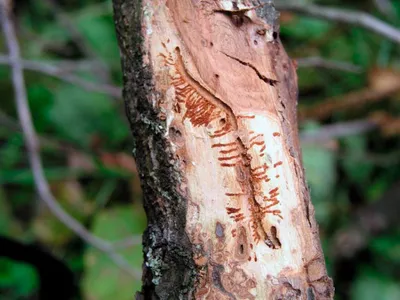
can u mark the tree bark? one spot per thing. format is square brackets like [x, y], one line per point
[211, 97]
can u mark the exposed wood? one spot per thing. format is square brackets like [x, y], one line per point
[211, 96]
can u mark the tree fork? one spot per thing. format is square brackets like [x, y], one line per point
[211, 97]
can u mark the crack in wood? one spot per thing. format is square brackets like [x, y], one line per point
[264, 78]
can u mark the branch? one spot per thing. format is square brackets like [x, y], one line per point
[361, 19]
[385, 7]
[32, 144]
[329, 132]
[128, 242]
[60, 73]
[14, 126]
[319, 62]
[7, 121]
[76, 36]
[71, 29]
[348, 102]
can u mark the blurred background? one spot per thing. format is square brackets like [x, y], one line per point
[349, 118]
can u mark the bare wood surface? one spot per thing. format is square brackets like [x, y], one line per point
[212, 96]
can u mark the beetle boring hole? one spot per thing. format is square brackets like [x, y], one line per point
[241, 249]
[275, 35]
[237, 20]
[222, 122]
[274, 232]
[176, 135]
[175, 132]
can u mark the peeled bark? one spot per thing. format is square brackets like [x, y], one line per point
[211, 97]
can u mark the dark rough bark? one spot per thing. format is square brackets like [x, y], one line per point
[169, 269]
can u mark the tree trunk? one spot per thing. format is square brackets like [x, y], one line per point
[211, 97]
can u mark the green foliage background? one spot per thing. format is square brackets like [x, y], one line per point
[87, 144]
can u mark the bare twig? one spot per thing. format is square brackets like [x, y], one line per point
[86, 65]
[350, 101]
[385, 7]
[99, 9]
[7, 121]
[76, 36]
[319, 62]
[361, 19]
[127, 243]
[60, 73]
[32, 144]
[338, 130]
[45, 141]
[71, 29]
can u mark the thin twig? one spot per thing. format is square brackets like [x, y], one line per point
[385, 7]
[319, 62]
[60, 73]
[99, 9]
[338, 130]
[361, 19]
[350, 101]
[128, 242]
[32, 144]
[71, 29]
[86, 65]
[76, 36]
[7, 121]
[45, 141]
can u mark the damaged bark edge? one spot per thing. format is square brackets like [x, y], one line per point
[169, 269]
